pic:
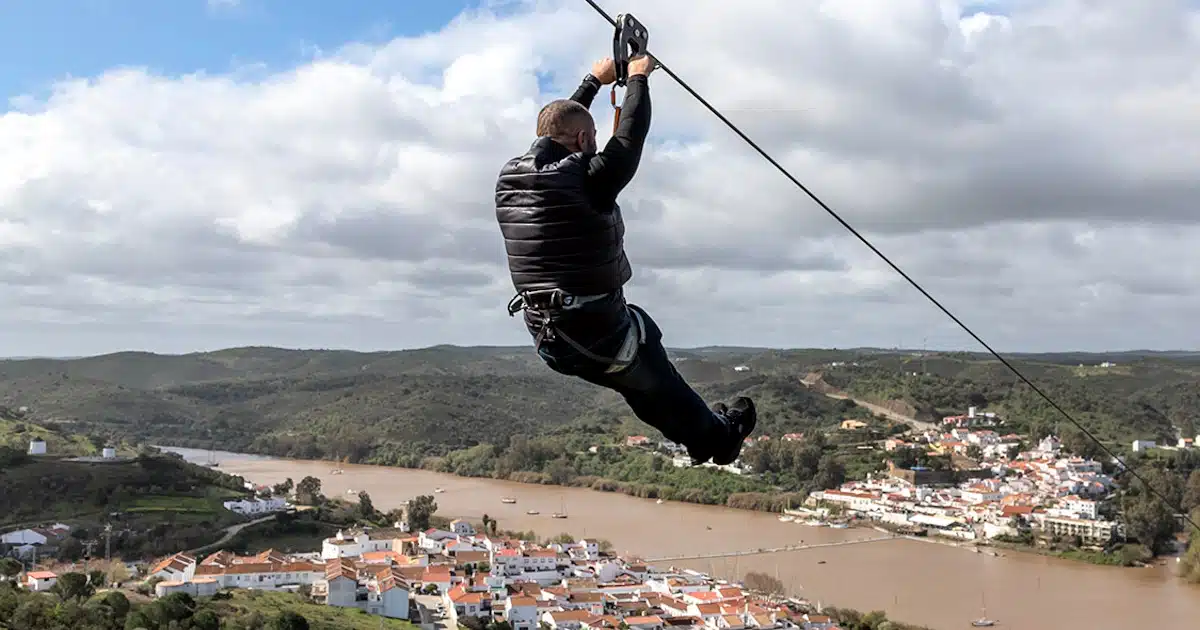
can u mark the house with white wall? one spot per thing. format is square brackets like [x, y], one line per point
[176, 568]
[459, 527]
[354, 543]
[387, 596]
[40, 580]
[521, 612]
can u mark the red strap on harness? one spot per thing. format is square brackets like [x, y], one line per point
[612, 96]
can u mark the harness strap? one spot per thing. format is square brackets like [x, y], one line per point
[554, 301]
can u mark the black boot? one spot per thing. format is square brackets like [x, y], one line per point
[741, 418]
[719, 410]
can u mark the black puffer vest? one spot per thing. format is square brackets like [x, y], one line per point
[554, 236]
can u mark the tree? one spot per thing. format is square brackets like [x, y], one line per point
[96, 578]
[289, 620]
[830, 472]
[420, 510]
[137, 620]
[487, 524]
[1147, 518]
[1191, 491]
[1189, 565]
[206, 620]
[365, 507]
[73, 586]
[308, 491]
[9, 568]
[285, 488]
[117, 603]
[974, 453]
[763, 583]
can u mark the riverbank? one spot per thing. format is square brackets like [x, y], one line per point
[714, 486]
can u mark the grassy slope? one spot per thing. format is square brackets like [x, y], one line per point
[320, 617]
[159, 489]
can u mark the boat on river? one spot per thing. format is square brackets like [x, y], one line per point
[983, 621]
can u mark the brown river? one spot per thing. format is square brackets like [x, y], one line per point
[916, 582]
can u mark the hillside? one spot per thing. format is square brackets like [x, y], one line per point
[400, 407]
[16, 434]
[154, 503]
[81, 608]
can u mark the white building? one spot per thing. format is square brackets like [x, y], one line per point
[1080, 507]
[354, 543]
[387, 597]
[23, 537]
[461, 528]
[199, 587]
[40, 580]
[1143, 445]
[521, 612]
[177, 568]
[257, 506]
[109, 453]
[37, 447]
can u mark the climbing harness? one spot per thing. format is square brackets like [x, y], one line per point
[630, 39]
[631, 33]
[552, 303]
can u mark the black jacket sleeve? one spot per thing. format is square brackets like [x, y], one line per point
[610, 170]
[586, 91]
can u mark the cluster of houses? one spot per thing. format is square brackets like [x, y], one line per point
[1043, 489]
[567, 586]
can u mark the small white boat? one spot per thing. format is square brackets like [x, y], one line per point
[786, 518]
[839, 526]
[533, 512]
[438, 490]
[983, 621]
[659, 502]
[508, 500]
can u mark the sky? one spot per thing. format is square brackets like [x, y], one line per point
[198, 174]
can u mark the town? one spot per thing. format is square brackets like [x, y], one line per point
[464, 577]
[990, 487]
[993, 491]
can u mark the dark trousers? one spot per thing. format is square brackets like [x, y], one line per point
[651, 386]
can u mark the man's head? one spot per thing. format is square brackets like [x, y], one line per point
[569, 124]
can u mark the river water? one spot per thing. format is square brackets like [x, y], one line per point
[916, 582]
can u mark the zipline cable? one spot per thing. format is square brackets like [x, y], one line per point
[1178, 509]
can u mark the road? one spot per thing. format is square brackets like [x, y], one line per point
[879, 410]
[230, 532]
[427, 605]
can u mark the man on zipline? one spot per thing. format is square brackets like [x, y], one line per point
[563, 232]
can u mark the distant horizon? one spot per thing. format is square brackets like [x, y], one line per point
[876, 349]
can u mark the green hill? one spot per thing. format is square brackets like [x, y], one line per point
[16, 434]
[154, 503]
[398, 407]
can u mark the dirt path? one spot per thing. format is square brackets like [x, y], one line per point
[874, 408]
[230, 532]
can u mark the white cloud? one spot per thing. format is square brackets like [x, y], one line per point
[1033, 163]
